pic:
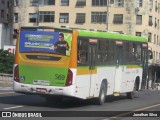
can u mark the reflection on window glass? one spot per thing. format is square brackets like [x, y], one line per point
[138, 53]
[133, 52]
[105, 52]
[82, 52]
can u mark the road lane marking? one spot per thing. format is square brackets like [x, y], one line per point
[126, 113]
[12, 107]
[7, 93]
[147, 107]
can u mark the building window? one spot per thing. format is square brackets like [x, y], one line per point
[99, 2]
[151, 3]
[64, 2]
[139, 3]
[81, 3]
[8, 18]
[3, 1]
[154, 38]
[138, 33]
[46, 16]
[149, 37]
[139, 19]
[156, 7]
[2, 13]
[98, 17]
[80, 18]
[46, 2]
[16, 17]
[34, 3]
[155, 24]
[154, 55]
[42, 2]
[15, 33]
[150, 21]
[157, 40]
[33, 17]
[64, 18]
[16, 2]
[119, 3]
[118, 19]
[8, 4]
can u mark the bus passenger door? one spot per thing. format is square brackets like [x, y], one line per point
[144, 65]
[92, 67]
[119, 68]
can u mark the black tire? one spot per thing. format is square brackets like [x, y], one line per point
[54, 99]
[131, 95]
[102, 94]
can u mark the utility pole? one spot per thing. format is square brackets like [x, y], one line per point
[37, 20]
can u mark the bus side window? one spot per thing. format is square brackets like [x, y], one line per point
[133, 52]
[138, 52]
[130, 52]
[82, 52]
[103, 52]
[111, 54]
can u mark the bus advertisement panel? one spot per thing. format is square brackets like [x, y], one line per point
[42, 41]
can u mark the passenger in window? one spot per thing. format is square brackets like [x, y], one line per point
[61, 46]
[79, 57]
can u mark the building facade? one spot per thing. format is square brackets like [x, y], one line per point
[5, 23]
[134, 17]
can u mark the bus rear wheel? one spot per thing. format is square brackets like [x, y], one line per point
[102, 94]
[131, 95]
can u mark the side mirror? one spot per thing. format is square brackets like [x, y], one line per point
[150, 54]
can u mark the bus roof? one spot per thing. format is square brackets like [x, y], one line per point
[95, 34]
[110, 35]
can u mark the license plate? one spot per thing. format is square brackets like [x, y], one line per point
[41, 90]
[41, 82]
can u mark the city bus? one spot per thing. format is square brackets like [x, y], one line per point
[93, 64]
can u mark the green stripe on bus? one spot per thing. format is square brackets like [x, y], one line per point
[115, 36]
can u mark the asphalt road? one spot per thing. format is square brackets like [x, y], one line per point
[147, 100]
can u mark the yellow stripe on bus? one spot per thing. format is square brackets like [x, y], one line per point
[63, 62]
[132, 66]
[85, 71]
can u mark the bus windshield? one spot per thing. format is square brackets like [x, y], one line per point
[45, 42]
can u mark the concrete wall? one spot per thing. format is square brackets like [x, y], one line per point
[4, 35]
[6, 80]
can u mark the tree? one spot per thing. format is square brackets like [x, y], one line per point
[6, 61]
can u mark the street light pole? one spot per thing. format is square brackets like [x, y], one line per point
[37, 19]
